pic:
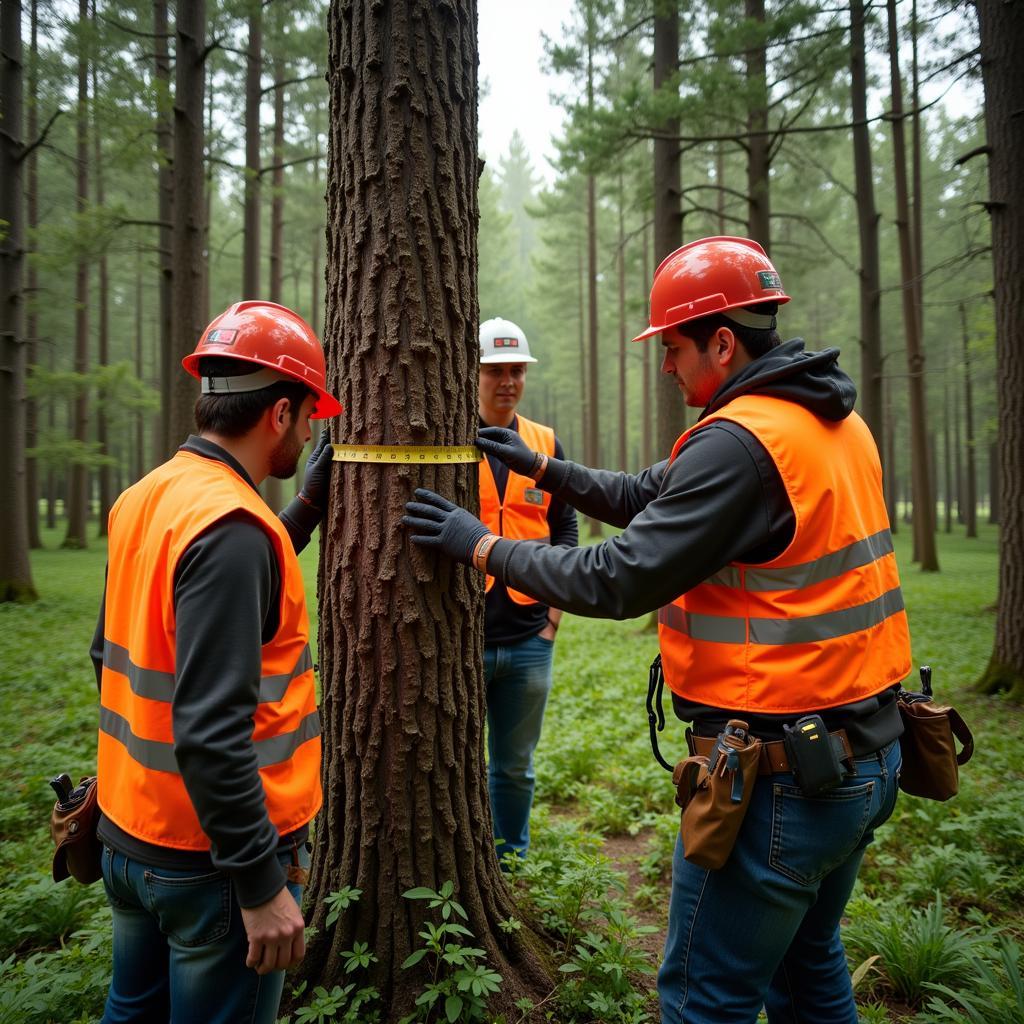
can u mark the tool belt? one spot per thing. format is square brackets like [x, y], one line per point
[774, 758]
[931, 764]
[73, 823]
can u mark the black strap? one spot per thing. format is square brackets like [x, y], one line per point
[656, 710]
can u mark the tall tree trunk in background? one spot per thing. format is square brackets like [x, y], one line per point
[272, 488]
[401, 630]
[317, 240]
[889, 459]
[994, 485]
[592, 436]
[924, 510]
[647, 404]
[15, 568]
[51, 473]
[870, 390]
[166, 370]
[582, 341]
[969, 503]
[759, 143]
[208, 193]
[1002, 42]
[720, 182]
[957, 455]
[103, 336]
[32, 284]
[947, 454]
[77, 504]
[139, 465]
[187, 269]
[623, 340]
[251, 211]
[668, 216]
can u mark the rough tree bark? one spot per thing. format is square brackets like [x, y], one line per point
[1002, 42]
[969, 502]
[924, 510]
[870, 389]
[623, 340]
[668, 215]
[401, 631]
[251, 206]
[166, 372]
[32, 283]
[591, 437]
[15, 568]
[758, 145]
[77, 505]
[188, 218]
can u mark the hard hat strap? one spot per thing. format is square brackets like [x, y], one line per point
[257, 381]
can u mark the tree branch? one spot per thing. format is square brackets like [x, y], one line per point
[807, 222]
[41, 138]
[134, 31]
[291, 163]
[291, 81]
[971, 154]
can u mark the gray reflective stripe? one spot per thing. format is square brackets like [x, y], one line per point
[149, 753]
[796, 577]
[160, 756]
[280, 748]
[805, 630]
[812, 628]
[716, 628]
[154, 685]
[145, 682]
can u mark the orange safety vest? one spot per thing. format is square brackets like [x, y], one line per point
[141, 789]
[822, 624]
[523, 515]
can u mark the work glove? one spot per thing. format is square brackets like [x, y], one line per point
[318, 472]
[508, 447]
[437, 523]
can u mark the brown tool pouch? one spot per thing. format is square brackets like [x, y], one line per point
[73, 828]
[931, 764]
[714, 793]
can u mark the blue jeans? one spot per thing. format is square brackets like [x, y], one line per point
[764, 929]
[518, 678]
[180, 947]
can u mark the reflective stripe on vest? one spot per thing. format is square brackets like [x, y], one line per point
[822, 624]
[516, 516]
[140, 786]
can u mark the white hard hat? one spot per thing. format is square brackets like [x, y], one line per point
[501, 341]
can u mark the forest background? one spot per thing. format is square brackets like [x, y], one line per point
[849, 140]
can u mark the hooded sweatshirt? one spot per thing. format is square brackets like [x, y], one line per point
[720, 501]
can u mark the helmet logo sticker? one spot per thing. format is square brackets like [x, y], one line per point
[221, 337]
[769, 279]
[506, 343]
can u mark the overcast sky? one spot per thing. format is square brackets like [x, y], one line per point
[511, 60]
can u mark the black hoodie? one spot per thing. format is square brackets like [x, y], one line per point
[721, 501]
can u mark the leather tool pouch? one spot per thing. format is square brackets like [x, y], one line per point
[931, 764]
[73, 824]
[714, 793]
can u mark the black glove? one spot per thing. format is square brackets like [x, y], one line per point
[318, 472]
[508, 447]
[437, 523]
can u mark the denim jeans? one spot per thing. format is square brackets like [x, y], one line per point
[764, 929]
[180, 947]
[518, 678]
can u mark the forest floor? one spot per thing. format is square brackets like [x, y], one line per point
[938, 902]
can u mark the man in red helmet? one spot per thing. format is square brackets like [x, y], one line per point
[209, 738]
[763, 541]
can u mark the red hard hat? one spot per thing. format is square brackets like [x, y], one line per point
[269, 335]
[711, 275]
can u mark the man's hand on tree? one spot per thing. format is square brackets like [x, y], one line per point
[508, 447]
[437, 523]
[276, 933]
[318, 472]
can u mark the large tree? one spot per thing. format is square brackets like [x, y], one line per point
[401, 632]
[1002, 42]
[15, 571]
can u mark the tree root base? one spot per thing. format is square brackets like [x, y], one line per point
[1000, 677]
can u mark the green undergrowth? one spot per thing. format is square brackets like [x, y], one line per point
[934, 930]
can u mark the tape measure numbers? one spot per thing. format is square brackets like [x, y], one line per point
[405, 454]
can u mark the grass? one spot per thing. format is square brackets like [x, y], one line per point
[595, 772]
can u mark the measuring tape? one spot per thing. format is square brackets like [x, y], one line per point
[402, 454]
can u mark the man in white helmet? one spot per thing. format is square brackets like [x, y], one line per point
[519, 632]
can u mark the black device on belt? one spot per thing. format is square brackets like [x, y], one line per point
[815, 757]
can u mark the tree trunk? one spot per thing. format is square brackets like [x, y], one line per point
[187, 268]
[623, 340]
[139, 464]
[994, 485]
[317, 235]
[668, 216]
[720, 182]
[647, 402]
[401, 632]
[208, 193]
[924, 511]
[251, 208]
[77, 505]
[103, 337]
[969, 504]
[32, 287]
[1002, 42]
[167, 372]
[759, 144]
[870, 390]
[947, 454]
[15, 568]
[592, 438]
[889, 459]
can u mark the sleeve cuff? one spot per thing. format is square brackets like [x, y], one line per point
[554, 476]
[300, 520]
[497, 560]
[257, 883]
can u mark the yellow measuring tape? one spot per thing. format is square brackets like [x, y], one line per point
[402, 454]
